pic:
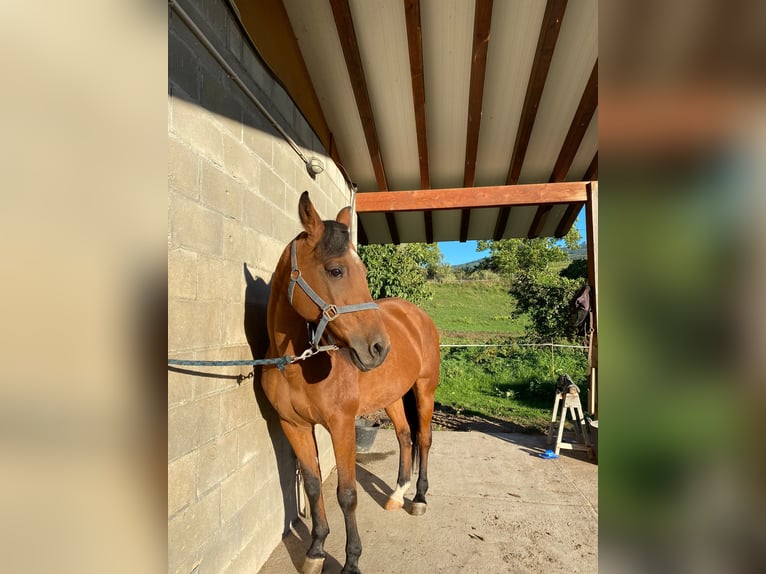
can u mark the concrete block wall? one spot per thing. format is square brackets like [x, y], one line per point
[233, 189]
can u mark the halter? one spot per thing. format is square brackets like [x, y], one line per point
[329, 311]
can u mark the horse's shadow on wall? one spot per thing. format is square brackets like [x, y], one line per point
[256, 303]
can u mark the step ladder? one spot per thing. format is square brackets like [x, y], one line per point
[569, 401]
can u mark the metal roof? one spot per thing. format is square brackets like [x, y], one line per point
[445, 95]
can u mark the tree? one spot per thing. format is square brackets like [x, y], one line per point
[540, 290]
[401, 270]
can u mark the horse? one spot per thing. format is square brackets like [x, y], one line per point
[347, 356]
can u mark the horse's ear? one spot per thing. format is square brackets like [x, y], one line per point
[344, 216]
[310, 219]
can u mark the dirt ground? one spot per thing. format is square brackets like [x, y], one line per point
[494, 506]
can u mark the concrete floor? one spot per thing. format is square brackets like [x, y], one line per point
[493, 506]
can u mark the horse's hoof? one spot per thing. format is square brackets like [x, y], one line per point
[312, 566]
[393, 504]
[418, 508]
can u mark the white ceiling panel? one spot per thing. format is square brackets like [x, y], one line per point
[585, 152]
[576, 52]
[513, 40]
[382, 35]
[447, 51]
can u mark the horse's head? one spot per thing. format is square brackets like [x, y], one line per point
[329, 266]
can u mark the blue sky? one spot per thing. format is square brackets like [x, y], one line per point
[456, 253]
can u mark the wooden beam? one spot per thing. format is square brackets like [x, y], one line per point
[541, 216]
[460, 198]
[347, 36]
[501, 223]
[580, 122]
[428, 216]
[482, 22]
[392, 229]
[570, 216]
[361, 234]
[415, 48]
[592, 172]
[591, 229]
[546, 44]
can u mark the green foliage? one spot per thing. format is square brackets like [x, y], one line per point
[541, 283]
[401, 270]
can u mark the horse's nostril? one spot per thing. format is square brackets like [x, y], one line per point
[378, 349]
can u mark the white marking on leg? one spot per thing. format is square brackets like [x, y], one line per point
[398, 494]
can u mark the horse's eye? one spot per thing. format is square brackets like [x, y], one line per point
[336, 272]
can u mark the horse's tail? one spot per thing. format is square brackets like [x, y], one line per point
[411, 412]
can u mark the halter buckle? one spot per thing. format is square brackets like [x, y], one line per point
[330, 313]
[295, 274]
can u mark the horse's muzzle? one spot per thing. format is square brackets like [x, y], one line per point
[368, 356]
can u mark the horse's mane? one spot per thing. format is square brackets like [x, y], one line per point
[334, 241]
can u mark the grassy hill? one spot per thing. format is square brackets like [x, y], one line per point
[473, 312]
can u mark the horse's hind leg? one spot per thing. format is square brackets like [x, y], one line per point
[396, 413]
[424, 395]
[304, 444]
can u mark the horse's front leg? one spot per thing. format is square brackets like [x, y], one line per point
[344, 444]
[304, 444]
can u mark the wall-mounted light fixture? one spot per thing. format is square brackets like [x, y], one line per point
[314, 167]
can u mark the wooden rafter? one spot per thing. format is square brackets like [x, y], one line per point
[347, 36]
[415, 49]
[472, 197]
[546, 44]
[592, 172]
[580, 122]
[570, 215]
[481, 26]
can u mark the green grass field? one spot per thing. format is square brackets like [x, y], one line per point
[473, 312]
[512, 383]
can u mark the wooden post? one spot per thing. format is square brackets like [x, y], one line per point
[591, 228]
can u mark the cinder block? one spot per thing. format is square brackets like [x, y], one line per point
[183, 168]
[193, 324]
[195, 227]
[182, 482]
[219, 280]
[220, 379]
[257, 213]
[240, 163]
[285, 227]
[180, 389]
[233, 239]
[264, 83]
[237, 490]
[255, 441]
[193, 424]
[234, 40]
[220, 191]
[182, 60]
[223, 547]
[326, 453]
[190, 529]
[238, 406]
[199, 129]
[271, 250]
[286, 163]
[251, 558]
[217, 460]
[182, 274]
[233, 322]
[272, 188]
[258, 137]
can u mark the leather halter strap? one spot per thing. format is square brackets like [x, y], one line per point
[329, 311]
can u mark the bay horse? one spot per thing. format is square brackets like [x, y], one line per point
[375, 355]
